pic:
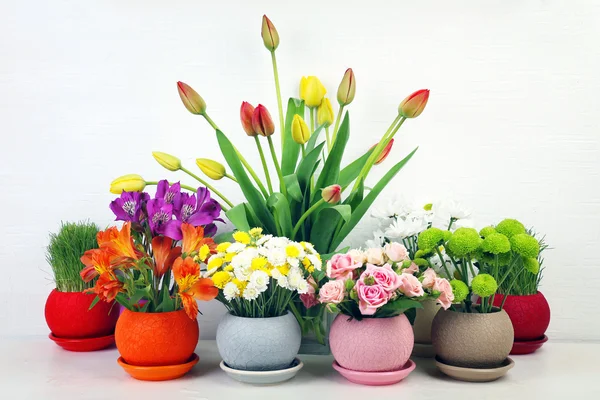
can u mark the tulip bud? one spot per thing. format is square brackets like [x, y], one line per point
[312, 91]
[300, 132]
[262, 123]
[347, 88]
[325, 113]
[413, 105]
[127, 183]
[269, 34]
[213, 169]
[384, 152]
[168, 161]
[332, 194]
[191, 99]
[246, 112]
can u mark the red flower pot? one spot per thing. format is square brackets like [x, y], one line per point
[530, 315]
[68, 315]
[156, 339]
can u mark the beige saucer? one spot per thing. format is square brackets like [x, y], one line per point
[423, 350]
[475, 374]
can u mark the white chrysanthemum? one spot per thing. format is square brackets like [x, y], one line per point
[302, 287]
[263, 239]
[309, 248]
[250, 292]
[231, 291]
[277, 257]
[377, 241]
[260, 280]
[277, 243]
[276, 274]
[315, 261]
[295, 278]
[390, 210]
[243, 273]
[283, 282]
[401, 229]
[236, 247]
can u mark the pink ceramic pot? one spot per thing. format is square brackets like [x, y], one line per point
[372, 344]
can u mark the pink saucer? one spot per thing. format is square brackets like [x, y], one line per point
[528, 346]
[375, 378]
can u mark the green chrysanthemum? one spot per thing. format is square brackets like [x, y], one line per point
[504, 259]
[460, 290]
[423, 253]
[464, 241]
[447, 235]
[510, 227]
[525, 245]
[532, 265]
[488, 230]
[495, 243]
[484, 285]
[484, 257]
[421, 262]
[430, 238]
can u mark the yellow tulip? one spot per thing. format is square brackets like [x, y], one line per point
[168, 161]
[213, 169]
[325, 113]
[300, 132]
[127, 183]
[312, 91]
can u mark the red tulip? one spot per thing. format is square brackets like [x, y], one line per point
[413, 105]
[246, 113]
[269, 34]
[262, 123]
[384, 153]
[332, 194]
[191, 99]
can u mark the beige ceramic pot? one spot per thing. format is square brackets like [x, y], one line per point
[472, 340]
[423, 321]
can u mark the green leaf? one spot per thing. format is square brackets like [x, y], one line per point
[307, 165]
[167, 304]
[351, 171]
[291, 150]
[356, 197]
[138, 295]
[362, 208]
[293, 187]
[313, 138]
[251, 194]
[344, 210]
[94, 302]
[237, 216]
[397, 307]
[224, 237]
[280, 205]
[327, 257]
[323, 229]
[331, 170]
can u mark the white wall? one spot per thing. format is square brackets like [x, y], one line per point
[88, 91]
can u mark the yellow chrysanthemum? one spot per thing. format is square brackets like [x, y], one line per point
[221, 278]
[308, 266]
[241, 285]
[229, 256]
[292, 251]
[222, 247]
[228, 268]
[284, 269]
[242, 237]
[258, 263]
[255, 232]
[204, 252]
[215, 263]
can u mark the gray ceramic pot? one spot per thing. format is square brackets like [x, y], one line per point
[258, 344]
[423, 321]
[472, 340]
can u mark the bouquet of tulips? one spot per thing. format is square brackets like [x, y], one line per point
[152, 264]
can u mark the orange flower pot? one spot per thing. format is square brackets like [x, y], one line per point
[156, 339]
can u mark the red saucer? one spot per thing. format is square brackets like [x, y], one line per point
[375, 378]
[159, 373]
[85, 344]
[528, 346]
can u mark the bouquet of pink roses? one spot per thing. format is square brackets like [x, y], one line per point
[378, 283]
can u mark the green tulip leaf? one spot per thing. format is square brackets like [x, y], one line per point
[237, 216]
[312, 142]
[281, 208]
[331, 169]
[307, 165]
[351, 171]
[293, 187]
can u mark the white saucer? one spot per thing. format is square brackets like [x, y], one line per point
[263, 377]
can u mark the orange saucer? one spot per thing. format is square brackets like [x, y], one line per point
[159, 373]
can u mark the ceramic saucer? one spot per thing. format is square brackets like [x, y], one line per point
[527, 346]
[375, 378]
[84, 344]
[423, 350]
[263, 377]
[159, 373]
[475, 374]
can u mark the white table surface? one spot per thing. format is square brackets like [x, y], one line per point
[35, 368]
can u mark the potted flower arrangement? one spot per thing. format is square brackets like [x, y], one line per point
[258, 276]
[374, 291]
[151, 266]
[402, 221]
[72, 324]
[308, 161]
[473, 338]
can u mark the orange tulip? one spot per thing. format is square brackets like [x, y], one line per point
[191, 99]
[384, 153]
[246, 113]
[262, 123]
[164, 254]
[413, 105]
[193, 240]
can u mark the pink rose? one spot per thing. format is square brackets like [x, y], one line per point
[375, 256]
[341, 266]
[411, 286]
[332, 292]
[446, 296]
[396, 252]
[370, 297]
[358, 256]
[429, 277]
[309, 299]
[383, 276]
[412, 268]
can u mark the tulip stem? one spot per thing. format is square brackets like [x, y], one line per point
[337, 122]
[277, 167]
[312, 119]
[264, 163]
[278, 90]
[303, 150]
[208, 186]
[328, 139]
[230, 177]
[305, 215]
[241, 157]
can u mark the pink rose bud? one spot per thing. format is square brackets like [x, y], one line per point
[332, 194]
[262, 123]
[246, 113]
[411, 286]
[413, 105]
[395, 252]
[429, 277]
[191, 99]
[332, 292]
[269, 34]
[446, 296]
[384, 153]
[370, 297]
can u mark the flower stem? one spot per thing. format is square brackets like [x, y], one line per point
[186, 187]
[264, 163]
[279, 105]
[312, 119]
[277, 167]
[337, 123]
[230, 177]
[208, 185]
[328, 139]
[304, 216]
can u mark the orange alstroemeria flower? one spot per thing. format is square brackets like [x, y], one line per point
[96, 263]
[193, 239]
[107, 287]
[119, 244]
[164, 254]
[191, 285]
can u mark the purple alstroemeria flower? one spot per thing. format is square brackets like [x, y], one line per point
[160, 218]
[128, 207]
[171, 194]
[199, 209]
